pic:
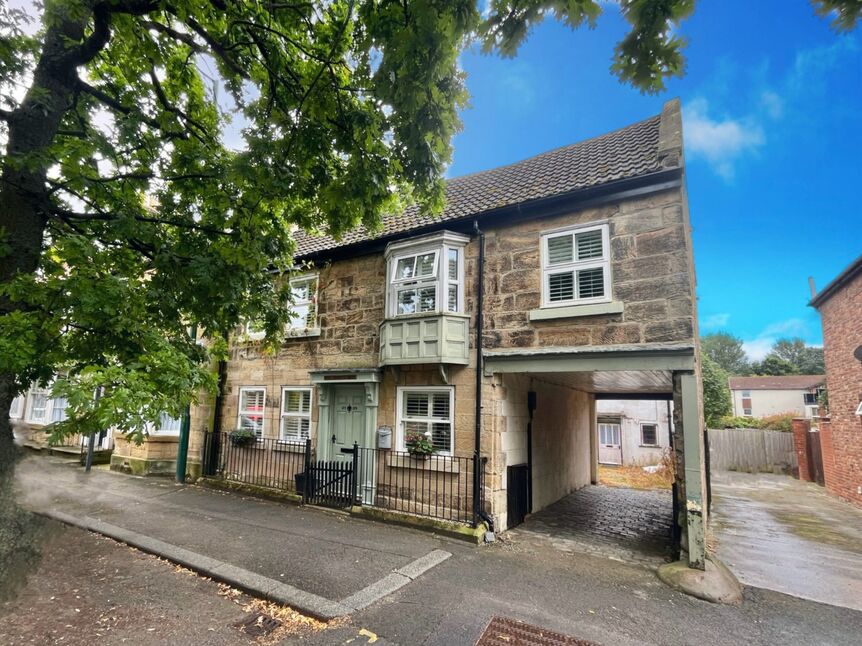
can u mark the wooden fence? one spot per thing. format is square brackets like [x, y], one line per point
[752, 450]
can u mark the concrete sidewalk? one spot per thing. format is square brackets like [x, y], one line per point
[323, 563]
[781, 534]
[335, 557]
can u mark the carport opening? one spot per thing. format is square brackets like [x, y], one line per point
[594, 471]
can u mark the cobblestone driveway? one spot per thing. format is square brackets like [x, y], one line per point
[623, 524]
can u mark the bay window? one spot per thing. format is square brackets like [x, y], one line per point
[303, 307]
[426, 275]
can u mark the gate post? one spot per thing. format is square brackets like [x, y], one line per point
[354, 475]
[307, 480]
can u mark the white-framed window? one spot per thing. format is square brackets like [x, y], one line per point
[426, 275]
[609, 434]
[429, 411]
[576, 267]
[254, 329]
[303, 309]
[859, 409]
[16, 411]
[746, 394]
[295, 414]
[649, 435]
[168, 425]
[809, 399]
[746, 412]
[38, 404]
[252, 407]
[58, 409]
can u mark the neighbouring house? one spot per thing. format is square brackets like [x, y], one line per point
[633, 432]
[840, 308]
[764, 396]
[449, 366]
[32, 412]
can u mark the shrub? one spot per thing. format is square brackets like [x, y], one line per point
[778, 422]
[242, 437]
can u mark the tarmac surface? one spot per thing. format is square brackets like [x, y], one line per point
[586, 596]
[779, 533]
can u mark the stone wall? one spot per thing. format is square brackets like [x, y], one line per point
[842, 334]
[650, 272]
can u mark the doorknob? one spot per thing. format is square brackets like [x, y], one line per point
[333, 438]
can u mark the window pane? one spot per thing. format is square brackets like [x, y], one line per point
[452, 301]
[300, 290]
[649, 434]
[441, 406]
[415, 428]
[427, 299]
[251, 401]
[425, 265]
[591, 283]
[416, 405]
[453, 264]
[589, 245]
[17, 403]
[441, 436]
[39, 406]
[404, 269]
[294, 428]
[58, 413]
[561, 287]
[407, 301]
[254, 327]
[300, 315]
[560, 249]
[169, 424]
[297, 401]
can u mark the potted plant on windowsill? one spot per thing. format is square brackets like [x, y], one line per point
[419, 445]
[242, 437]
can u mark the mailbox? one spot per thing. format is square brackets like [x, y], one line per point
[384, 437]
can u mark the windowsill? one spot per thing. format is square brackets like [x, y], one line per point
[573, 311]
[163, 437]
[289, 446]
[649, 446]
[303, 333]
[443, 463]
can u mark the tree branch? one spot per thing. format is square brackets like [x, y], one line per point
[73, 216]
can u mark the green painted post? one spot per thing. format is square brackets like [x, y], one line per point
[185, 425]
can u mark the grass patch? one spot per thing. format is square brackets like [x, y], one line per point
[630, 477]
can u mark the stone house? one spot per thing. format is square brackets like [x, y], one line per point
[488, 333]
[633, 432]
[764, 396]
[840, 308]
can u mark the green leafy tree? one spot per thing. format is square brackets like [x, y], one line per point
[125, 217]
[806, 359]
[726, 350]
[716, 391]
[774, 366]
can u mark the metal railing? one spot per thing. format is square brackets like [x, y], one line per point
[435, 486]
[261, 462]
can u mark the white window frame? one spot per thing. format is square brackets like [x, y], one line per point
[746, 394]
[251, 334]
[859, 409]
[297, 325]
[440, 244]
[289, 415]
[400, 418]
[36, 391]
[655, 426]
[576, 265]
[54, 408]
[158, 430]
[615, 429]
[16, 410]
[241, 413]
[748, 413]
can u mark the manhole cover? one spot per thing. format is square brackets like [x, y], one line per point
[510, 632]
[257, 624]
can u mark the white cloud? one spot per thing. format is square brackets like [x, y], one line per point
[758, 347]
[720, 141]
[715, 321]
[772, 103]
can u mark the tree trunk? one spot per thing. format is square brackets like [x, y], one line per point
[24, 213]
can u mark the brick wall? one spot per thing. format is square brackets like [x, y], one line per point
[801, 428]
[841, 315]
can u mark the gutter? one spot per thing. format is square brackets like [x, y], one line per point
[842, 279]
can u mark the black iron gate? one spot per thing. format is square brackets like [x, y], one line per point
[331, 483]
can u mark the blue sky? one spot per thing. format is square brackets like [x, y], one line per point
[772, 107]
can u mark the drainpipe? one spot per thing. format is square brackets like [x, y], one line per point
[185, 428]
[214, 448]
[478, 511]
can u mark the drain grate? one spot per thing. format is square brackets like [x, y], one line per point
[510, 632]
[257, 624]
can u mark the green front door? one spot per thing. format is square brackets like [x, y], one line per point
[348, 421]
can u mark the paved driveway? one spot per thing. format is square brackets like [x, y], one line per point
[622, 524]
[778, 533]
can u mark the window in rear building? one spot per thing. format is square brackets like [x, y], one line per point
[746, 412]
[746, 393]
[576, 266]
[649, 435]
